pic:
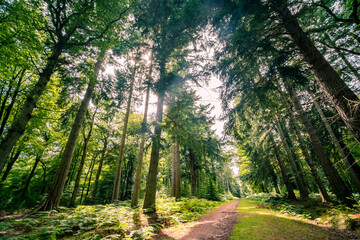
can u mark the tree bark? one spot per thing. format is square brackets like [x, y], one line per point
[28, 180]
[78, 175]
[192, 160]
[337, 184]
[11, 105]
[313, 169]
[341, 96]
[115, 195]
[150, 195]
[96, 183]
[274, 180]
[18, 126]
[9, 166]
[351, 165]
[303, 191]
[82, 162]
[173, 170]
[136, 189]
[53, 198]
[7, 94]
[89, 182]
[177, 179]
[289, 188]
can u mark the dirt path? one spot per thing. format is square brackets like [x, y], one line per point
[215, 225]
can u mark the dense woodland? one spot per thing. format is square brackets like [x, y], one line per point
[77, 78]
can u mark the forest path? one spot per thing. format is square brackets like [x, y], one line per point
[216, 225]
[244, 219]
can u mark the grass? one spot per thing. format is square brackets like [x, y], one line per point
[262, 223]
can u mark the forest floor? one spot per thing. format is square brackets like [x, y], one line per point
[244, 219]
[215, 225]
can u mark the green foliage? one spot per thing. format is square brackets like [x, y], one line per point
[115, 221]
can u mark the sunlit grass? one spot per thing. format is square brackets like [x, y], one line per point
[261, 223]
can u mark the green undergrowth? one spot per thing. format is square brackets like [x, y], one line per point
[112, 221]
[334, 215]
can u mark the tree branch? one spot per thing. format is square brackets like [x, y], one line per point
[340, 48]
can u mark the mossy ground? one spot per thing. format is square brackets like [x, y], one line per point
[262, 223]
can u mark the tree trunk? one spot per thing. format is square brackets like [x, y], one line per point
[353, 168]
[37, 160]
[9, 166]
[18, 126]
[7, 94]
[74, 162]
[338, 185]
[89, 182]
[82, 162]
[177, 191]
[115, 195]
[173, 159]
[313, 169]
[274, 180]
[289, 188]
[192, 160]
[150, 195]
[342, 97]
[136, 189]
[53, 198]
[96, 183]
[11, 105]
[303, 191]
[78, 175]
[43, 189]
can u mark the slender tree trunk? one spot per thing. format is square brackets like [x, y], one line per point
[173, 170]
[18, 126]
[150, 195]
[96, 183]
[11, 105]
[192, 160]
[274, 180]
[177, 179]
[89, 182]
[338, 185]
[43, 165]
[9, 166]
[128, 180]
[74, 162]
[353, 168]
[115, 195]
[313, 169]
[78, 175]
[136, 189]
[37, 160]
[7, 94]
[342, 97]
[82, 162]
[53, 198]
[289, 188]
[303, 191]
